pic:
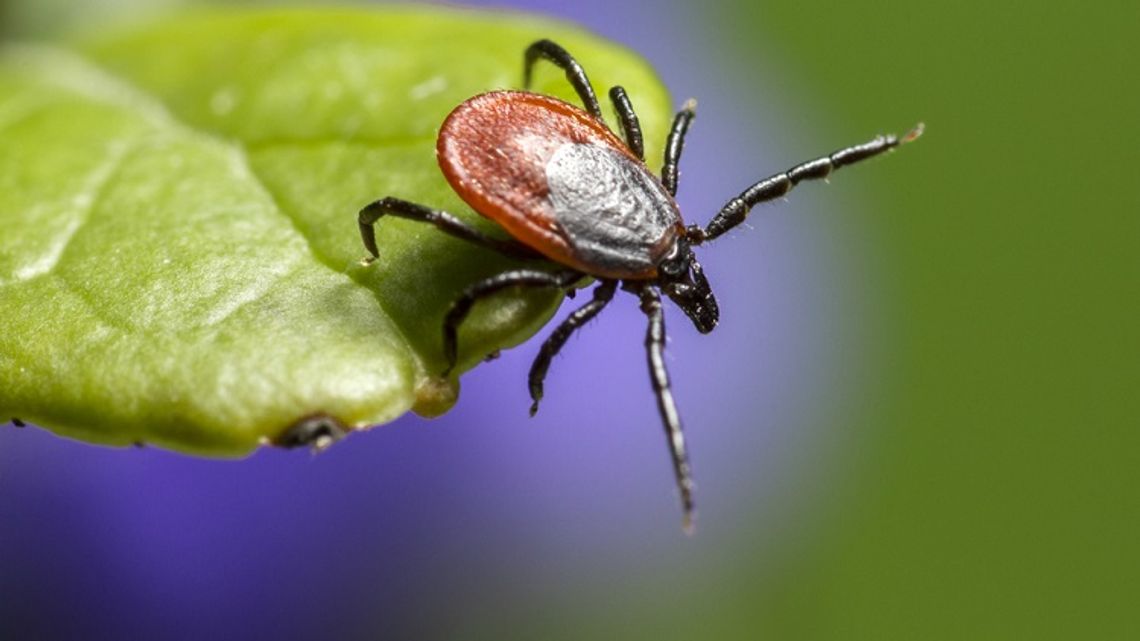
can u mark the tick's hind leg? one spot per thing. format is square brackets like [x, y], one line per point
[575, 74]
[630, 126]
[659, 378]
[602, 295]
[516, 278]
[444, 221]
[675, 143]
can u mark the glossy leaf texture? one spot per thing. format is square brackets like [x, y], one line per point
[179, 257]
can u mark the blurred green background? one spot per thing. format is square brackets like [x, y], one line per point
[1000, 496]
[993, 489]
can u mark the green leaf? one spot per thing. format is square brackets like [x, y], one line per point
[179, 260]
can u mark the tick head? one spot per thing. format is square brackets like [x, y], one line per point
[681, 278]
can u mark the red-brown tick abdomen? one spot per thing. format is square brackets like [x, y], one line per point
[559, 181]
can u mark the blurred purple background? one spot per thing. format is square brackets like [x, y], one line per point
[428, 529]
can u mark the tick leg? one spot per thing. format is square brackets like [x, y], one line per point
[629, 123]
[736, 210]
[602, 295]
[482, 289]
[446, 222]
[659, 377]
[575, 74]
[675, 143]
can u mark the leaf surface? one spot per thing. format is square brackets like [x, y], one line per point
[179, 258]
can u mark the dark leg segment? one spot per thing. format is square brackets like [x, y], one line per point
[659, 377]
[675, 143]
[575, 74]
[446, 222]
[602, 295]
[516, 278]
[629, 123]
[736, 210]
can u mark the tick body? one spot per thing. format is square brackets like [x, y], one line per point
[559, 181]
[570, 191]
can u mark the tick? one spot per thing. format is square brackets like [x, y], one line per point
[568, 190]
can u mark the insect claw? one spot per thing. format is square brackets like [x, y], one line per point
[533, 409]
[368, 260]
[913, 133]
